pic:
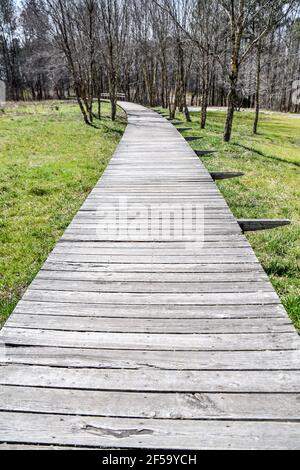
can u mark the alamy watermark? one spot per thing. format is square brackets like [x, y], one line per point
[122, 220]
[2, 93]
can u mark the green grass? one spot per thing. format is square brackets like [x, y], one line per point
[49, 162]
[270, 189]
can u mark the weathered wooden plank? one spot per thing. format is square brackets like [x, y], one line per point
[174, 230]
[161, 342]
[33, 447]
[256, 298]
[93, 216]
[163, 360]
[152, 311]
[101, 237]
[67, 323]
[178, 406]
[152, 287]
[188, 278]
[69, 248]
[144, 247]
[148, 380]
[132, 433]
[176, 186]
[155, 259]
[156, 185]
[147, 196]
[155, 223]
[117, 218]
[159, 192]
[77, 265]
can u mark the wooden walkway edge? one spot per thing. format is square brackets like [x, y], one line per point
[147, 342]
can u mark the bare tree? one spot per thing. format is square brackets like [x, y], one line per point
[10, 48]
[206, 35]
[199, 21]
[114, 17]
[71, 27]
[241, 15]
[159, 52]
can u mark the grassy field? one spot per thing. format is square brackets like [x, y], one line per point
[49, 161]
[270, 189]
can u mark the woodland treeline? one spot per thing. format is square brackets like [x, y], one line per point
[173, 53]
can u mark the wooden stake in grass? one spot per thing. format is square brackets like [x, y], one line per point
[256, 225]
[184, 129]
[193, 138]
[205, 153]
[225, 175]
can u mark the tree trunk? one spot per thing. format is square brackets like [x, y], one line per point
[231, 108]
[173, 106]
[113, 95]
[204, 107]
[99, 107]
[187, 114]
[206, 80]
[89, 108]
[257, 92]
[81, 106]
[113, 102]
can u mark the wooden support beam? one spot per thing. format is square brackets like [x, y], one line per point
[193, 138]
[225, 175]
[203, 153]
[256, 225]
[184, 129]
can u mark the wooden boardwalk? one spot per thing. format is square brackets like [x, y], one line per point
[123, 343]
